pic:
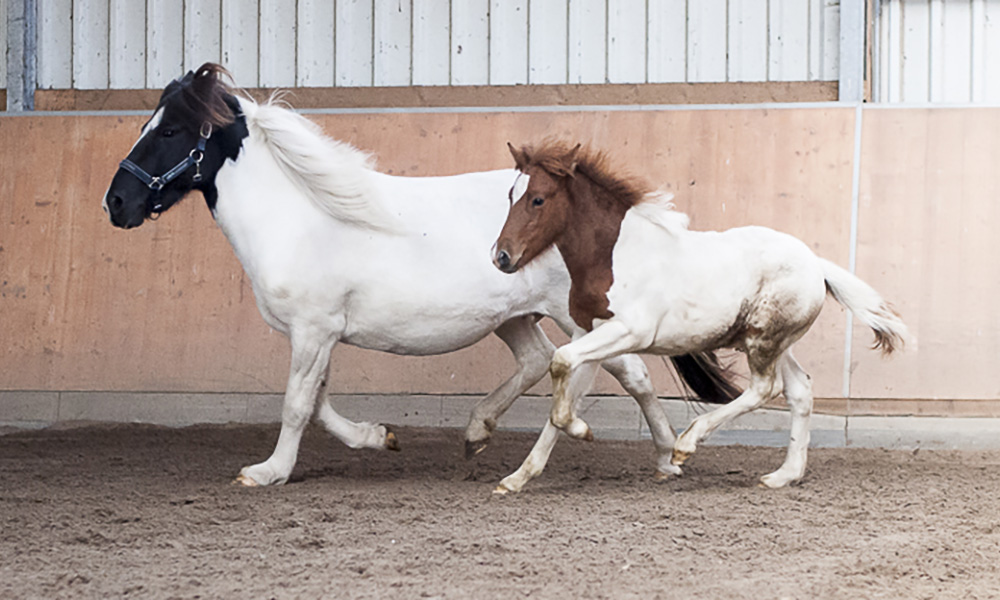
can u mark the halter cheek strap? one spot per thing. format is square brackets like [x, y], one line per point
[194, 158]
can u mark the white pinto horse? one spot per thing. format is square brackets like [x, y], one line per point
[337, 252]
[642, 282]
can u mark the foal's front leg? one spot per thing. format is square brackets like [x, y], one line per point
[310, 363]
[610, 339]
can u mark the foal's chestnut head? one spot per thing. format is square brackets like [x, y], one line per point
[541, 212]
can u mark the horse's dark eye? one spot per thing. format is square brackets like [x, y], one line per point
[167, 132]
[538, 202]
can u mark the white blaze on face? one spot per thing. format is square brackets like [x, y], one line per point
[153, 124]
[520, 186]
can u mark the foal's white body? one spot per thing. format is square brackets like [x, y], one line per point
[396, 264]
[677, 291]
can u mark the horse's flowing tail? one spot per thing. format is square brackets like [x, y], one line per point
[866, 304]
[706, 377]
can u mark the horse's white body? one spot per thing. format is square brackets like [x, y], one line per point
[338, 252]
[677, 291]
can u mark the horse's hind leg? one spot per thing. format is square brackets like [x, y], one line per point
[798, 393]
[306, 381]
[633, 375]
[533, 351]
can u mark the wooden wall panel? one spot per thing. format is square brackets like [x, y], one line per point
[166, 307]
[927, 240]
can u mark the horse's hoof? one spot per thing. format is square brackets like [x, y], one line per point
[245, 481]
[776, 481]
[666, 475]
[391, 443]
[500, 491]
[678, 458]
[474, 448]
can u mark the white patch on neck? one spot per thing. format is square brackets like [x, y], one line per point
[520, 187]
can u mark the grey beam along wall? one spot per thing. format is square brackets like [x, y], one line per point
[21, 53]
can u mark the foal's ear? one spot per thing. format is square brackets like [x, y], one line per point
[570, 160]
[520, 156]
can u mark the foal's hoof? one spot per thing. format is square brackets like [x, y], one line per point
[500, 491]
[391, 443]
[245, 481]
[474, 448]
[579, 429]
[679, 458]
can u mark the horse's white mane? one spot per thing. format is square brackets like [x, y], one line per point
[336, 176]
[658, 207]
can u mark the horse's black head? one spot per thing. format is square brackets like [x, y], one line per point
[195, 128]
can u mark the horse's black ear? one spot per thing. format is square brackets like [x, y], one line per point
[520, 156]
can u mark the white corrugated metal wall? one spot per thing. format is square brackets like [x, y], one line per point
[939, 51]
[96, 44]
[3, 43]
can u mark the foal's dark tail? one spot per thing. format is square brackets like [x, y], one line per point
[706, 377]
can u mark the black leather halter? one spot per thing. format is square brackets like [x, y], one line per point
[193, 159]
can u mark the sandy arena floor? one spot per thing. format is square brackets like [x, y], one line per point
[149, 512]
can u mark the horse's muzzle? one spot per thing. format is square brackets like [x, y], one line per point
[502, 261]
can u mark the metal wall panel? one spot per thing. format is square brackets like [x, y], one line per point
[96, 44]
[3, 43]
[944, 51]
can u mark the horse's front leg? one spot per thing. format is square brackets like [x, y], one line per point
[306, 380]
[533, 351]
[611, 339]
[633, 375]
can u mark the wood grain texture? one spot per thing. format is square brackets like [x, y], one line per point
[498, 95]
[166, 307]
[927, 242]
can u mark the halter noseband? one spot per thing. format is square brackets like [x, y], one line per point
[194, 158]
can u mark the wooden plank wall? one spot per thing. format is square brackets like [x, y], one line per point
[166, 307]
[121, 44]
[90, 307]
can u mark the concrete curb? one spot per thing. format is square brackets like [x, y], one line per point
[611, 417]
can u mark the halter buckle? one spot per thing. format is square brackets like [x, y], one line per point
[197, 160]
[156, 184]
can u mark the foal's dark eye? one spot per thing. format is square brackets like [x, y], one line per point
[538, 201]
[167, 132]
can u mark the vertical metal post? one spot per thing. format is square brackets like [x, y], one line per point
[22, 52]
[852, 50]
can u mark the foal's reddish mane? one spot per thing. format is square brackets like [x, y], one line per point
[561, 159]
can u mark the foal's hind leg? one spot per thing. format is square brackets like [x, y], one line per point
[533, 351]
[764, 385]
[632, 374]
[798, 393]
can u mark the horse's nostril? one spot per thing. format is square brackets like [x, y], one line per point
[503, 259]
[116, 202]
